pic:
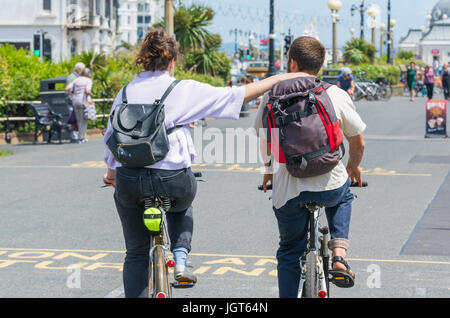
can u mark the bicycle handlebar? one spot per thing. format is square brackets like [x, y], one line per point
[353, 185]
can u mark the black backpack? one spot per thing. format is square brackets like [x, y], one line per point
[139, 135]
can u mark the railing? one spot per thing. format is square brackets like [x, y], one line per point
[7, 119]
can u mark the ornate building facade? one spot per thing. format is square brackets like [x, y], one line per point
[431, 43]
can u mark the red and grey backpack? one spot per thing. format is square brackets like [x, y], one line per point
[302, 128]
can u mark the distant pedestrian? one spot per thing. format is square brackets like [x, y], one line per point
[79, 67]
[429, 81]
[80, 90]
[446, 81]
[411, 79]
[346, 81]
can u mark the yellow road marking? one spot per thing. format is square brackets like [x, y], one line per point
[229, 255]
[204, 167]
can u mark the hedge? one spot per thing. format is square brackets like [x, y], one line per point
[21, 73]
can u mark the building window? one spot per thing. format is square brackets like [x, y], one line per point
[143, 7]
[129, 20]
[108, 8]
[148, 19]
[98, 8]
[140, 19]
[47, 5]
[73, 47]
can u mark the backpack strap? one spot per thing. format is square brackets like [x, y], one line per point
[124, 95]
[167, 92]
[325, 85]
[137, 129]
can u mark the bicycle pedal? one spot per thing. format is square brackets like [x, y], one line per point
[341, 281]
[183, 285]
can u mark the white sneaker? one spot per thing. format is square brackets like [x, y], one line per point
[183, 274]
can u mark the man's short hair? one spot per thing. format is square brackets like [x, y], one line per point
[79, 65]
[309, 54]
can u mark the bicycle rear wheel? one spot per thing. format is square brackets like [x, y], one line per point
[311, 279]
[384, 93]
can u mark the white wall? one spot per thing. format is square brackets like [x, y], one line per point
[444, 50]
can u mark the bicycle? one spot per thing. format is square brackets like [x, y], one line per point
[159, 285]
[315, 263]
[372, 90]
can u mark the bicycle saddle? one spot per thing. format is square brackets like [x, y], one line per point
[311, 206]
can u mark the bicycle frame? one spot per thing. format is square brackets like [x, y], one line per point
[158, 273]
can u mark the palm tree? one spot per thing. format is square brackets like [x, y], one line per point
[358, 51]
[190, 27]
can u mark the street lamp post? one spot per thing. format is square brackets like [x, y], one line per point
[361, 9]
[272, 69]
[393, 22]
[382, 34]
[373, 12]
[389, 32]
[334, 6]
[168, 17]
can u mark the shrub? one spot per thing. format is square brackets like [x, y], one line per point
[21, 73]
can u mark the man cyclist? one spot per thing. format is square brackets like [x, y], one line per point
[346, 81]
[307, 55]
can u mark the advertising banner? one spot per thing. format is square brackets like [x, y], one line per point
[436, 118]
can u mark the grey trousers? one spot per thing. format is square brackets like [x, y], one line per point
[131, 186]
[82, 123]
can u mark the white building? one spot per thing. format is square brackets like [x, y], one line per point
[136, 18]
[69, 26]
[432, 42]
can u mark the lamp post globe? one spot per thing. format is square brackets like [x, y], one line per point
[373, 11]
[335, 5]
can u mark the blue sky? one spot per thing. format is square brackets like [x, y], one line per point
[250, 15]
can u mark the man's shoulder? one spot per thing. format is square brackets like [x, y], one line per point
[336, 92]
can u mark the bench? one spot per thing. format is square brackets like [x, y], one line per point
[48, 121]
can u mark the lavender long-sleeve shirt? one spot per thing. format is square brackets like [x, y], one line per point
[189, 101]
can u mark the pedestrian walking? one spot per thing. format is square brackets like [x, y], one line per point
[79, 67]
[80, 90]
[429, 81]
[411, 79]
[446, 81]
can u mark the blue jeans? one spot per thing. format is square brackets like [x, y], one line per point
[293, 228]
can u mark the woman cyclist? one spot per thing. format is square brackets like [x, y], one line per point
[172, 177]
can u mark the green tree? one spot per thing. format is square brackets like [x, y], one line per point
[405, 55]
[190, 27]
[358, 51]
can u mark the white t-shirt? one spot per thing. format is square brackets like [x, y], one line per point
[287, 187]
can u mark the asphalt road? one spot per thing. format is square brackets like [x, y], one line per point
[54, 214]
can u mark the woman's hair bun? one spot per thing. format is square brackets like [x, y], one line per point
[157, 50]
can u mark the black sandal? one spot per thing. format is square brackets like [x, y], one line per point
[341, 278]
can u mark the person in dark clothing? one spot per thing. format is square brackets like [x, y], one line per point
[446, 81]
